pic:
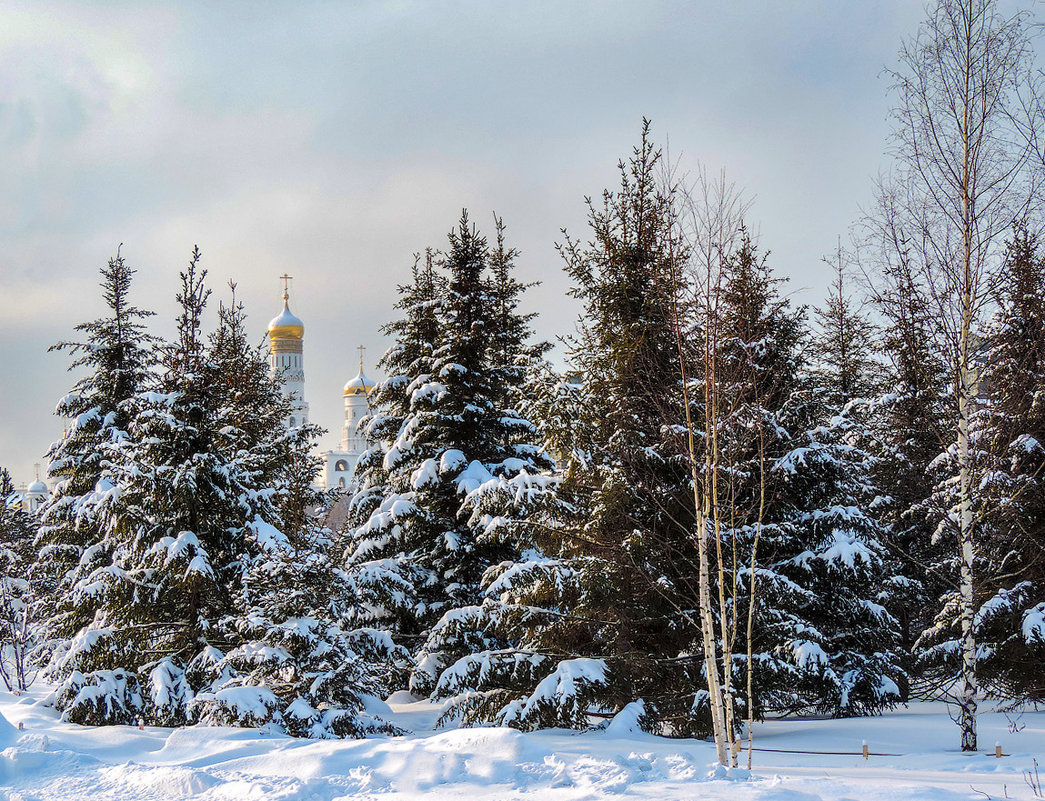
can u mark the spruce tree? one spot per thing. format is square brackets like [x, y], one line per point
[285, 644]
[590, 609]
[382, 580]
[173, 545]
[629, 546]
[848, 568]
[909, 429]
[752, 405]
[513, 356]
[843, 346]
[1007, 433]
[458, 473]
[178, 517]
[217, 604]
[793, 489]
[117, 354]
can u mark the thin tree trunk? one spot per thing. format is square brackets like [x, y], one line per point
[717, 215]
[716, 510]
[718, 714]
[701, 501]
[967, 694]
[752, 598]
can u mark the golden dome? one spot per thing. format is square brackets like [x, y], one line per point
[359, 385]
[286, 325]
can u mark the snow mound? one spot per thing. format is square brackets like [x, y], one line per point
[473, 756]
[20, 764]
[626, 722]
[166, 781]
[8, 733]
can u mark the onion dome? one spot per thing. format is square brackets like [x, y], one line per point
[37, 487]
[286, 325]
[359, 385]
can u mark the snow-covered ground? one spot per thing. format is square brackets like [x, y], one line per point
[53, 761]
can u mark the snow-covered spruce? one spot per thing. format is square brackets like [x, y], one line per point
[117, 353]
[827, 558]
[799, 485]
[454, 471]
[1008, 458]
[215, 602]
[608, 559]
[381, 581]
[907, 422]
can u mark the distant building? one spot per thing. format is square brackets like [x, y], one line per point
[339, 467]
[31, 498]
[286, 355]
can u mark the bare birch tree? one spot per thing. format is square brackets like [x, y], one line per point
[706, 225]
[714, 209]
[967, 118]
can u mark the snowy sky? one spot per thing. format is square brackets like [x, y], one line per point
[334, 139]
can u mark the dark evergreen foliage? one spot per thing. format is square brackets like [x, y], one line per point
[595, 603]
[1008, 431]
[206, 515]
[452, 470]
[796, 478]
[842, 349]
[909, 428]
[116, 354]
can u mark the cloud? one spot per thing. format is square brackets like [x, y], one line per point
[333, 140]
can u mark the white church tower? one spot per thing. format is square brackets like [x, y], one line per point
[36, 493]
[339, 467]
[286, 340]
[357, 406]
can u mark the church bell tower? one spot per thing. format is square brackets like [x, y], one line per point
[286, 340]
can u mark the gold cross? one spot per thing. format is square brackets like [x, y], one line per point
[286, 285]
[361, 348]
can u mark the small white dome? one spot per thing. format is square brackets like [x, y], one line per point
[37, 488]
[359, 385]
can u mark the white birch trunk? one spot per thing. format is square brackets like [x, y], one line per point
[967, 691]
[701, 508]
[966, 399]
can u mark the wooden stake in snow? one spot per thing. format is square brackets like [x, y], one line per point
[997, 750]
[864, 750]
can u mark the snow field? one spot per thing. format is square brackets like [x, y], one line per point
[59, 761]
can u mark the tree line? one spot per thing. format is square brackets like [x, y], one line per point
[724, 506]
